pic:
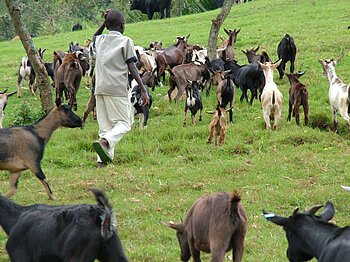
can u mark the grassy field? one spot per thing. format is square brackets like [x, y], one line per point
[160, 171]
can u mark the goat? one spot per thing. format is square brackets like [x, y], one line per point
[253, 57]
[77, 27]
[26, 72]
[138, 105]
[271, 97]
[298, 96]
[286, 51]
[218, 126]
[3, 102]
[311, 236]
[22, 148]
[193, 101]
[91, 106]
[81, 232]
[339, 93]
[247, 77]
[225, 90]
[68, 78]
[215, 224]
[181, 73]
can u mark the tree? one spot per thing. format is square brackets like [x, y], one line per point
[41, 75]
[215, 28]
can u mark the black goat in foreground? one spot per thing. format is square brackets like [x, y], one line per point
[79, 233]
[311, 236]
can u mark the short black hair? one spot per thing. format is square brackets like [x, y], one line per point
[114, 18]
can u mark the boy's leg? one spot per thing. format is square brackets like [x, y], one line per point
[118, 109]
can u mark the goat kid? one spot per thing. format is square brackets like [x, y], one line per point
[298, 96]
[218, 126]
[311, 236]
[339, 93]
[193, 101]
[271, 97]
[215, 224]
[137, 103]
[80, 233]
[26, 72]
[22, 148]
[3, 102]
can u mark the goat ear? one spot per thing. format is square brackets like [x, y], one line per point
[314, 209]
[226, 31]
[256, 49]
[281, 221]
[347, 188]
[321, 62]
[328, 212]
[239, 30]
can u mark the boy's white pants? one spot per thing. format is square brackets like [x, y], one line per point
[113, 117]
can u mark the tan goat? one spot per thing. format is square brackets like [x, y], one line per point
[218, 126]
[271, 97]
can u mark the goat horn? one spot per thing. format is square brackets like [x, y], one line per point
[3, 92]
[78, 53]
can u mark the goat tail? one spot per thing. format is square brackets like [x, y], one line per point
[107, 217]
[273, 98]
[234, 212]
[170, 71]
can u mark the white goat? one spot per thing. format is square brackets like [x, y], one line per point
[339, 93]
[3, 102]
[271, 97]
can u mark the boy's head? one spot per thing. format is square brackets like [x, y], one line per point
[115, 21]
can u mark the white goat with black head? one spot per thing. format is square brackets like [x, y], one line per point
[271, 97]
[3, 102]
[339, 93]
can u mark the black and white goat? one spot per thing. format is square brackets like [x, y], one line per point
[3, 102]
[137, 104]
[80, 233]
[193, 101]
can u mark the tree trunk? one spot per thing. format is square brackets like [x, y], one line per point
[42, 79]
[215, 28]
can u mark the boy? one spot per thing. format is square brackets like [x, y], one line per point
[115, 57]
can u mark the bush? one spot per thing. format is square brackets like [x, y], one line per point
[26, 114]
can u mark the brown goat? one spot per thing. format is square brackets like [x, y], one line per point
[298, 96]
[181, 73]
[215, 224]
[218, 126]
[68, 77]
[22, 148]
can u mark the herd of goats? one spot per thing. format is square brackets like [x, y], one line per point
[216, 223]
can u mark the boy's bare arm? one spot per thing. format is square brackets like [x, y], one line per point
[135, 75]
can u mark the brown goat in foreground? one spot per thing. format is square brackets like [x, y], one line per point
[215, 224]
[298, 96]
[22, 147]
[218, 126]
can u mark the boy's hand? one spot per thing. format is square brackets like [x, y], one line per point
[105, 13]
[145, 97]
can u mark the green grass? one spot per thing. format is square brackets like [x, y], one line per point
[160, 171]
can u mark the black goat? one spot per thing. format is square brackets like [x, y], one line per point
[193, 101]
[77, 27]
[80, 233]
[311, 236]
[247, 77]
[286, 51]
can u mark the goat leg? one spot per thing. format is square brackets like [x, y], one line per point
[13, 184]
[40, 175]
[185, 117]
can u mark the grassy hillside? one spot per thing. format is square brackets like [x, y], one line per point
[160, 171]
